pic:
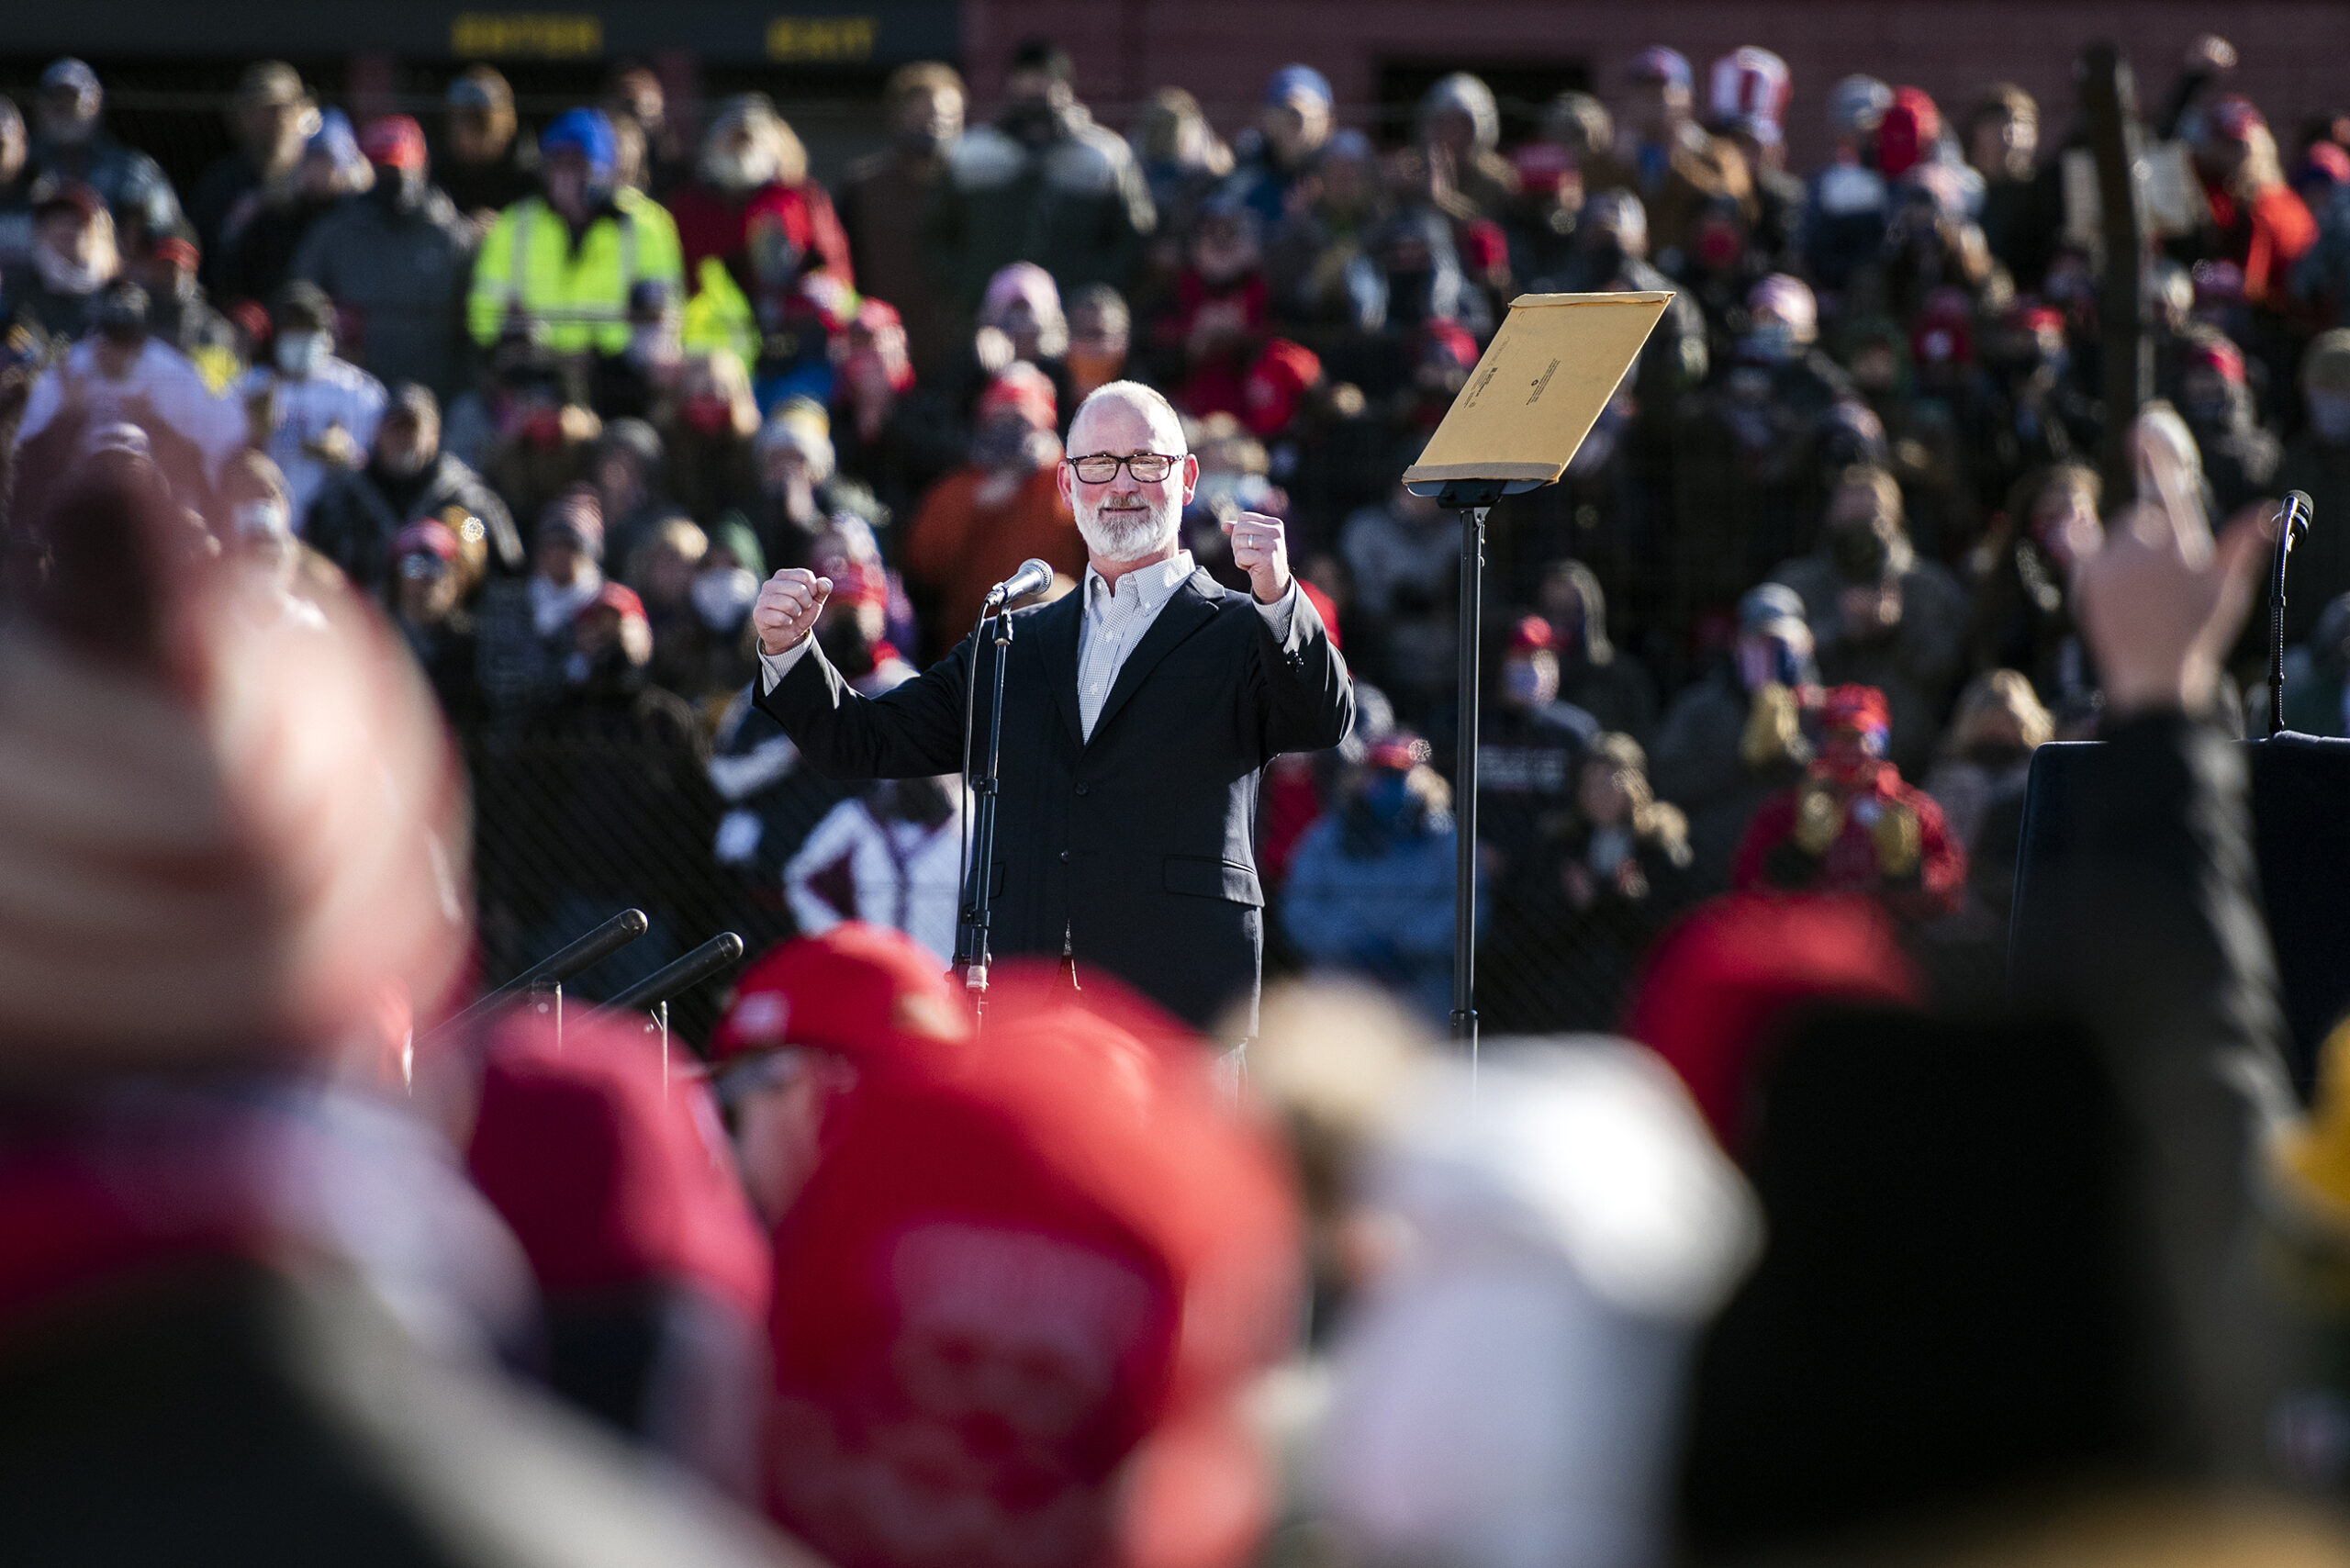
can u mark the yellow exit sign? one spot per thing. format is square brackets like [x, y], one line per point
[539, 35]
[821, 39]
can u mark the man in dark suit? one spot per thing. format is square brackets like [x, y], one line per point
[1139, 713]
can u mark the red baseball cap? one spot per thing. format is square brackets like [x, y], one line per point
[1274, 386]
[1014, 1306]
[1026, 390]
[396, 140]
[864, 992]
[1529, 632]
[1858, 708]
[610, 1171]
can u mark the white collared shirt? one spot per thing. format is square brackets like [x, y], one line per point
[1115, 622]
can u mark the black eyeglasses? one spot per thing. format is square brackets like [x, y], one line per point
[1100, 467]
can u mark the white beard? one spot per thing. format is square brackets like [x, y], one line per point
[1128, 535]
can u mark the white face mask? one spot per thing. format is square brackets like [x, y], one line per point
[723, 597]
[301, 353]
[259, 520]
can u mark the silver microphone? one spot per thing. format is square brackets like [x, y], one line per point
[1033, 576]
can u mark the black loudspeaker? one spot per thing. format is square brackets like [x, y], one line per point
[2300, 819]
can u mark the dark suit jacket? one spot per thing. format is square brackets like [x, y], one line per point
[1139, 843]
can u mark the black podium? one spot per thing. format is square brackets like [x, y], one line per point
[2300, 814]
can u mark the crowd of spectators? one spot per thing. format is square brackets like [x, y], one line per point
[303, 1259]
[559, 398]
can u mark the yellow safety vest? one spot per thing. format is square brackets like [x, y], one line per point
[719, 316]
[572, 298]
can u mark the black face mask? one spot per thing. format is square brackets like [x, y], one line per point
[397, 190]
[1034, 123]
[844, 644]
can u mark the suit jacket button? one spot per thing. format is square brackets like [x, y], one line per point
[1063, 857]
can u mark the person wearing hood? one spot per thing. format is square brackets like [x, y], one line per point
[73, 257]
[885, 197]
[396, 265]
[69, 144]
[1043, 183]
[564, 263]
[1667, 160]
[1458, 130]
[407, 476]
[259, 258]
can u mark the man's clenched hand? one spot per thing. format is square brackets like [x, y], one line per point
[1261, 548]
[788, 606]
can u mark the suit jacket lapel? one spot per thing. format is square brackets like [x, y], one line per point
[1050, 636]
[1191, 607]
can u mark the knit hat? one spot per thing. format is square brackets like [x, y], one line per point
[801, 424]
[1298, 80]
[1749, 83]
[585, 132]
[1791, 301]
[222, 836]
[620, 599]
[577, 514]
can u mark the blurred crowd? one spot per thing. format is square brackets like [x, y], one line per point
[384, 516]
[559, 396]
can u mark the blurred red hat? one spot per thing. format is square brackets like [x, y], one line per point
[1484, 247]
[611, 1171]
[394, 140]
[427, 536]
[1448, 340]
[1718, 987]
[1529, 632]
[864, 992]
[1858, 708]
[1907, 132]
[2325, 163]
[1274, 384]
[1023, 389]
[176, 249]
[2220, 355]
[859, 582]
[1024, 1344]
[621, 598]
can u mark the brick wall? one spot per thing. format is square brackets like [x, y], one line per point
[2296, 53]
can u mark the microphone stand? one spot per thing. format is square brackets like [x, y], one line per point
[2294, 522]
[971, 936]
[1473, 499]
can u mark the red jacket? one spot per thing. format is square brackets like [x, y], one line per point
[716, 223]
[1919, 878]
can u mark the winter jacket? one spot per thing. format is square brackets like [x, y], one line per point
[355, 517]
[398, 281]
[1077, 205]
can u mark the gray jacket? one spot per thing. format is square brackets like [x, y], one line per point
[401, 277]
